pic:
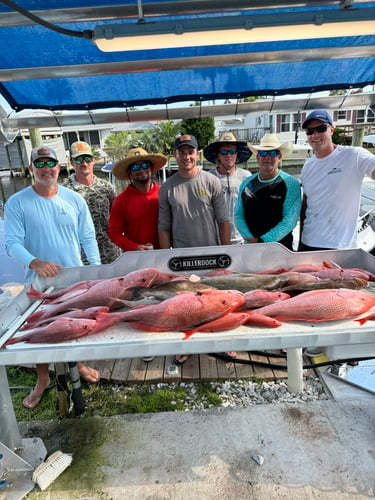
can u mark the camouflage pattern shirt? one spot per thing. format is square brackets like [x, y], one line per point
[99, 196]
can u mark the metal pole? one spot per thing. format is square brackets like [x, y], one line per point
[357, 138]
[9, 432]
[295, 370]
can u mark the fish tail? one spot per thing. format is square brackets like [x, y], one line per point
[34, 293]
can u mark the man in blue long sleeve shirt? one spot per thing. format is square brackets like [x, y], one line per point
[45, 227]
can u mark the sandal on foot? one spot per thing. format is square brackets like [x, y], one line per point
[180, 359]
[89, 374]
[32, 400]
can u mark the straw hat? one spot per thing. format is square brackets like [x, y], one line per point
[243, 152]
[135, 155]
[270, 142]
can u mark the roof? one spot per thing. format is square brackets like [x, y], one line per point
[42, 68]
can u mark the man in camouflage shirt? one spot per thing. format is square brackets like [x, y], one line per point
[98, 194]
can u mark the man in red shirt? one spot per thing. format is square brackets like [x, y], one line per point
[133, 219]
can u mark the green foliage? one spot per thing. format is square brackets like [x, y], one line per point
[161, 137]
[202, 128]
[107, 400]
[118, 144]
[337, 136]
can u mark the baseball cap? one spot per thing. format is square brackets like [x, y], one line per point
[43, 152]
[318, 114]
[80, 148]
[185, 140]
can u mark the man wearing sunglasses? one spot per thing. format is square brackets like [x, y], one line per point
[226, 154]
[98, 194]
[133, 220]
[269, 202]
[192, 209]
[46, 225]
[331, 181]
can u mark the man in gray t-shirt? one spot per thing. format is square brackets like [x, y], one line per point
[192, 207]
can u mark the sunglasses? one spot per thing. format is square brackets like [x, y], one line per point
[320, 129]
[226, 151]
[137, 166]
[42, 164]
[272, 153]
[81, 159]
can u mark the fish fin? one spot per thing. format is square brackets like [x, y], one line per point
[188, 333]
[331, 265]
[362, 321]
[138, 325]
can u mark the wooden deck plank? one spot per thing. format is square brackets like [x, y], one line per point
[190, 369]
[155, 369]
[208, 367]
[276, 360]
[244, 370]
[226, 369]
[121, 369]
[137, 371]
[261, 371]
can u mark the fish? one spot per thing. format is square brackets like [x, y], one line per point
[143, 277]
[229, 321]
[334, 274]
[90, 313]
[321, 305]
[71, 290]
[59, 330]
[256, 319]
[219, 272]
[185, 310]
[260, 298]
[351, 283]
[105, 293]
[245, 282]
[295, 278]
[307, 268]
[279, 270]
[168, 290]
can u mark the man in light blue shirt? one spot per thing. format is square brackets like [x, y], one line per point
[45, 227]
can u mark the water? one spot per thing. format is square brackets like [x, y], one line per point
[10, 270]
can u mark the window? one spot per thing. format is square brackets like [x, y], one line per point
[285, 123]
[341, 115]
[296, 121]
[361, 116]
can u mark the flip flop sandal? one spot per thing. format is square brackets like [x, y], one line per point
[33, 399]
[180, 362]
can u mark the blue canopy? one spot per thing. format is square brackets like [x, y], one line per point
[41, 68]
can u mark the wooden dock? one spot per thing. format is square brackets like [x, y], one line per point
[199, 367]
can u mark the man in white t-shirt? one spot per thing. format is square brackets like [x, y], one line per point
[331, 181]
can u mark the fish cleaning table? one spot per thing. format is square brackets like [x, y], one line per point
[122, 341]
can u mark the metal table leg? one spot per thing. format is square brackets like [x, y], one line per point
[295, 369]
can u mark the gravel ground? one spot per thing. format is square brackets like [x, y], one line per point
[241, 393]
